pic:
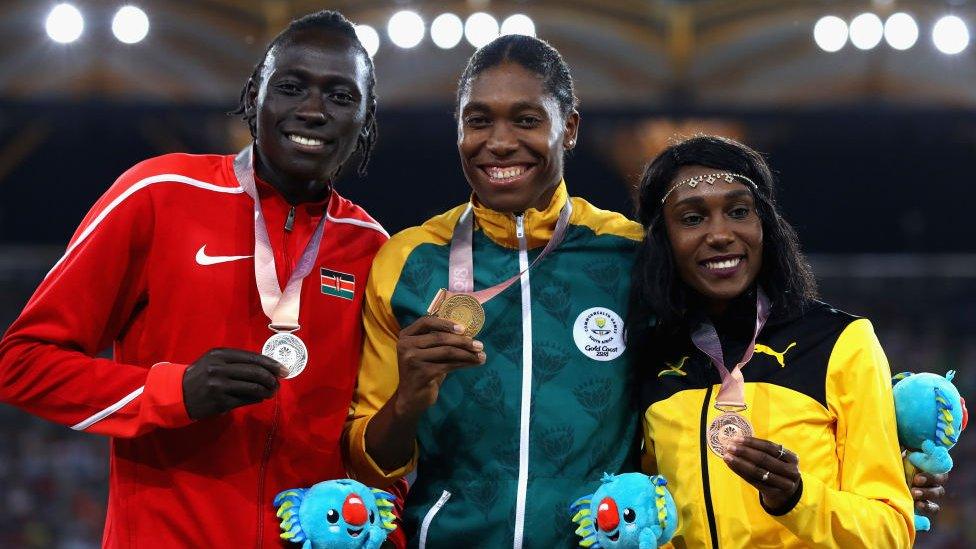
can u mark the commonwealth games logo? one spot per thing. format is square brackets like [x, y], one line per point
[598, 333]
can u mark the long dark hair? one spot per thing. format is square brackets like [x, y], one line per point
[658, 297]
[326, 21]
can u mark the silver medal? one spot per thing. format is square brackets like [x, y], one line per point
[289, 350]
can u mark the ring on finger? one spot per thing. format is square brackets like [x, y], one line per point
[782, 451]
[765, 476]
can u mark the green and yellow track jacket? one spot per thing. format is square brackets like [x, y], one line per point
[510, 444]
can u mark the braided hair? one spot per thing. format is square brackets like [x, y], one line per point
[329, 21]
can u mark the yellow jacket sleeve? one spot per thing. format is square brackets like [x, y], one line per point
[872, 507]
[378, 377]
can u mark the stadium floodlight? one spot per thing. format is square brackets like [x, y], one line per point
[901, 31]
[518, 24]
[406, 29]
[867, 30]
[369, 38]
[480, 28]
[446, 30]
[950, 35]
[130, 24]
[64, 23]
[830, 33]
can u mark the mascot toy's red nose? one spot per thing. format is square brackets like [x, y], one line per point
[607, 517]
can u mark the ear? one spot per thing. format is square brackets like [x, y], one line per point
[571, 130]
[251, 97]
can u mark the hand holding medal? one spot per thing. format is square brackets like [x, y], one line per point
[771, 468]
[427, 351]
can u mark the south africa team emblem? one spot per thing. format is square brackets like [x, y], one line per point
[599, 333]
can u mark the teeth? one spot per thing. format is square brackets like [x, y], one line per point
[726, 264]
[305, 140]
[510, 172]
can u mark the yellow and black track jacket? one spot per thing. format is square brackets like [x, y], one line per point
[819, 384]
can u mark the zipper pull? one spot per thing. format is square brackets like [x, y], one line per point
[290, 221]
[519, 227]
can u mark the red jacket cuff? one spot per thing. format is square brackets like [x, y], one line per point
[164, 395]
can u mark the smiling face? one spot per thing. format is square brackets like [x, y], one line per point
[511, 138]
[716, 236]
[310, 107]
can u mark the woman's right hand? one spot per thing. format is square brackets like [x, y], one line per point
[427, 351]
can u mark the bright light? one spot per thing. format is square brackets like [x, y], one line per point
[406, 29]
[950, 35]
[64, 24]
[130, 24]
[369, 38]
[901, 31]
[866, 31]
[518, 24]
[447, 30]
[830, 33]
[480, 28]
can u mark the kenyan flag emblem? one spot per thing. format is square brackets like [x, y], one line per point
[338, 284]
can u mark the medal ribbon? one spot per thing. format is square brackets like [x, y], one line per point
[731, 396]
[281, 307]
[461, 266]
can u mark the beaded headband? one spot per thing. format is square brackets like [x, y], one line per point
[710, 178]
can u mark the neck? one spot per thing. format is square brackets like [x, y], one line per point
[294, 192]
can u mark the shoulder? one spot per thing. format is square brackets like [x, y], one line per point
[344, 213]
[395, 253]
[130, 198]
[204, 171]
[604, 222]
[820, 316]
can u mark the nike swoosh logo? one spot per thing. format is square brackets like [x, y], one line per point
[204, 259]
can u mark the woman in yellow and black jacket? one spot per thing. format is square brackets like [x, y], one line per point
[822, 467]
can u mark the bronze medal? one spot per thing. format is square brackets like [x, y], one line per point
[724, 428]
[463, 309]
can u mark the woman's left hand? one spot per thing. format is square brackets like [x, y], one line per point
[771, 468]
[927, 490]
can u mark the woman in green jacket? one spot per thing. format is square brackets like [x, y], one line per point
[513, 425]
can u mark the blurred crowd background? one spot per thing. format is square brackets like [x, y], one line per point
[866, 110]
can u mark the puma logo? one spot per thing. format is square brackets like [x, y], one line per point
[675, 368]
[780, 357]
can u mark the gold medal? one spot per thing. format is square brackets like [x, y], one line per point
[724, 428]
[461, 309]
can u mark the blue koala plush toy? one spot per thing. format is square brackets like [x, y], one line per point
[930, 415]
[336, 514]
[631, 510]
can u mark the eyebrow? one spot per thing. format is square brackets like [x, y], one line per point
[731, 195]
[518, 106]
[302, 73]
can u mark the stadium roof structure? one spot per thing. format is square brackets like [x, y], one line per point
[624, 53]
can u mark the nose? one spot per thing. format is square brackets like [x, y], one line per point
[354, 511]
[719, 234]
[502, 141]
[312, 109]
[607, 517]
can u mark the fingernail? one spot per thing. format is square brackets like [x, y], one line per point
[477, 345]
[482, 357]
[458, 329]
[917, 493]
[738, 439]
[727, 457]
[919, 479]
[730, 449]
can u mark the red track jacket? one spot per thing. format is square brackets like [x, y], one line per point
[161, 269]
